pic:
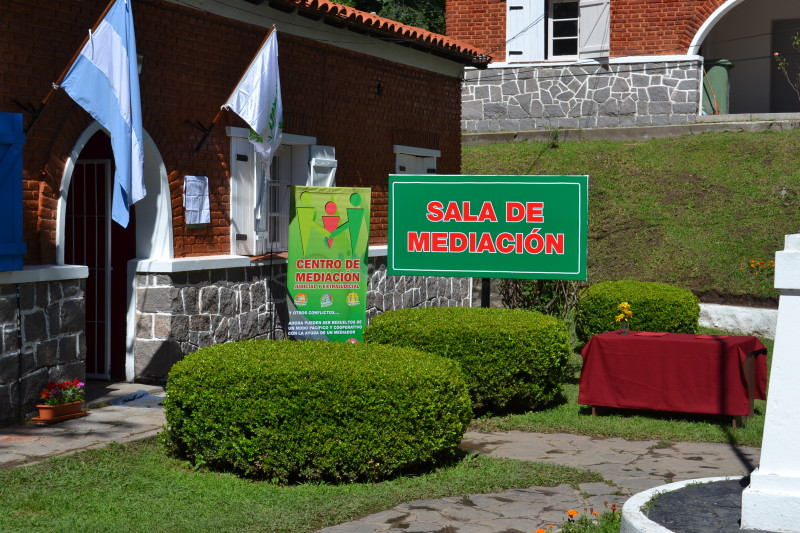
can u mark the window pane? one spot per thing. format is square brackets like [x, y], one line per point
[565, 10]
[566, 28]
[565, 47]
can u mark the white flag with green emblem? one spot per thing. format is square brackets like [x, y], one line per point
[257, 99]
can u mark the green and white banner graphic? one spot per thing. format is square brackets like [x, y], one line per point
[327, 272]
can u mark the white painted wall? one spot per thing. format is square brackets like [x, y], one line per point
[743, 36]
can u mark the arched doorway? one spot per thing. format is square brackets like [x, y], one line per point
[748, 33]
[90, 238]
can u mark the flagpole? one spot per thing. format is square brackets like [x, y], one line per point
[55, 85]
[207, 131]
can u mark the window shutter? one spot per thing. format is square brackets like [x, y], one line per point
[243, 197]
[261, 213]
[415, 164]
[525, 25]
[593, 39]
[322, 172]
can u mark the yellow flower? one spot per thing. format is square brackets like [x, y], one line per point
[625, 311]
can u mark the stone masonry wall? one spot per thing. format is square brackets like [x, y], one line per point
[41, 339]
[581, 96]
[387, 293]
[178, 313]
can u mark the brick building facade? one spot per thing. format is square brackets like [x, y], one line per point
[605, 63]
[362, 87]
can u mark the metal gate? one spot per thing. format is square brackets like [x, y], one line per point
[88, 242]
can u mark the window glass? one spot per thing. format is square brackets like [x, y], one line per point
[567, 47]
[565, 28]
[565, 10]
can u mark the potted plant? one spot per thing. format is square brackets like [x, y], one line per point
[623, 316]
[61, 401]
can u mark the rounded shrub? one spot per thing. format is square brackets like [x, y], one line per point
[512, 359]
[307, 411]
[655, 306]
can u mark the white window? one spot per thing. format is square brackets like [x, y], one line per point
[260, 196]
[410, 160]
[537, 30]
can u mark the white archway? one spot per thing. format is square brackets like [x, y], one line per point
[153, 223]
[708, 25]
[153, 212]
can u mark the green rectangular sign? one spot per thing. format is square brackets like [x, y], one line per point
[524, 227]
[327, 271]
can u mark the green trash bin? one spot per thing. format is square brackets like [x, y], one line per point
[716, 86]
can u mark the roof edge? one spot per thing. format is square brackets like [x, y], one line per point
[384, 28]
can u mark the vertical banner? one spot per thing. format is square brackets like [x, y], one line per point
[327, 272]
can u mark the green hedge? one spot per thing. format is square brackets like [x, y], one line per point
[307, 411]
[512, 359]
[655, 306]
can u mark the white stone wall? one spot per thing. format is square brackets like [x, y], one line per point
[580, 96]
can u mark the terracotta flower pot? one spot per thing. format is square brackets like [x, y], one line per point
[56, 413]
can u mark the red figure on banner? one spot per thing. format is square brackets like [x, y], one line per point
[330, 222]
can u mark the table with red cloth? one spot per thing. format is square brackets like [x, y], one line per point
[688, 373]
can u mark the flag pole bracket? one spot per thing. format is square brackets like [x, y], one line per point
[206, 132]
[30, 109]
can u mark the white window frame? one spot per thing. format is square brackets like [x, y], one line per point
[412, 160]
[529, 30]
[260, 226]
[551, 39]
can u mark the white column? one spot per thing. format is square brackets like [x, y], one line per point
[772, 501]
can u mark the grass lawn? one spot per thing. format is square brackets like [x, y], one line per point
[136, 487]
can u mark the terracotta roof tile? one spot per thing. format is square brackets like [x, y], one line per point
[386, 28]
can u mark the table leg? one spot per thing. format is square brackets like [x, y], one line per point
[594, 411]
[750, 376]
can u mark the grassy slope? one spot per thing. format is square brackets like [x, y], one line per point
[686, 211]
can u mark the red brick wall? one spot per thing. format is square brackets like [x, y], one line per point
[191, 63]
[652, 27]
[482, 23]
[657, 27]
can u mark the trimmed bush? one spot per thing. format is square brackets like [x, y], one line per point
[512, 359]
[315, 411]
[655, 306]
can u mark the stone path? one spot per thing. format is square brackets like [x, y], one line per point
[631, 467]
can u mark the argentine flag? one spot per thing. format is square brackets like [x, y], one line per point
[104, 80]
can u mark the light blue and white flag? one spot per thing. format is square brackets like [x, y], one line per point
[104, 80]
[257, 99]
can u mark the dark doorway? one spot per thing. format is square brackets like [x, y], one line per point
[783, 98]
[92, 239]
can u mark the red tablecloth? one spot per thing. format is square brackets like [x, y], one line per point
[673, 372]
